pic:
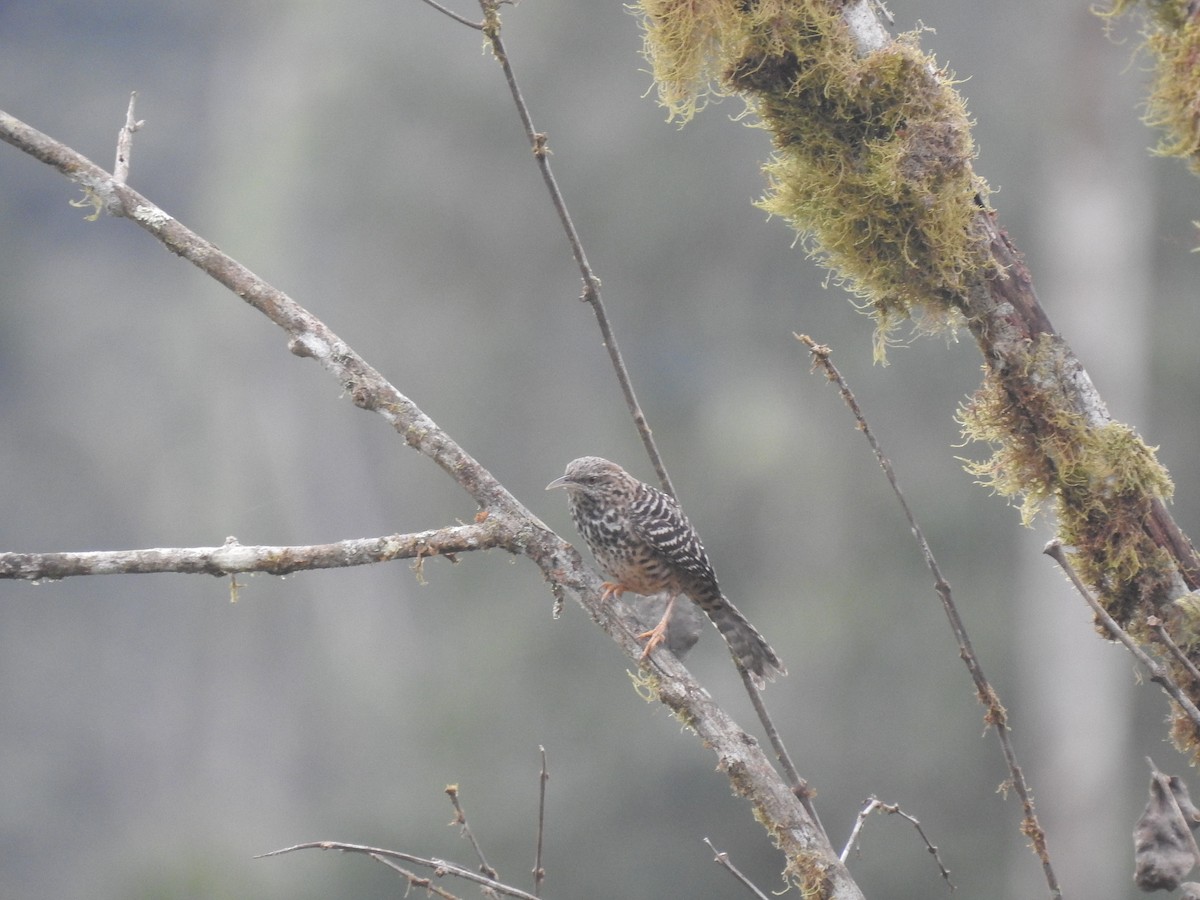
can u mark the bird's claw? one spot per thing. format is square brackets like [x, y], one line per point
[653, 638]
[611, 590]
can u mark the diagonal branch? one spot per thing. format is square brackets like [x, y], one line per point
[996, 716]
[440, 866]
[591, 284]
[1158, 672]
[308, 335]
[811, 861]
[873, 166]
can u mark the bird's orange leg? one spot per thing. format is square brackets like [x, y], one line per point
[658, 634]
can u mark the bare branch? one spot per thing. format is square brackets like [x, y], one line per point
[308, 336]
[799, 786]
[539, 872]
[1158, 673]
[231, 557]
[125, 142]
[415, 880]
[591, 284]
[811, 861]
[996, 716]
[440, 866]
[1160, 631]
[460, 819]
[463, 20]
[721, 858]
[874, 805]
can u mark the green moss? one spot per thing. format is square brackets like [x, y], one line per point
[1184, 617]
[1101, 478]
[1173, 104]
[809, 877]
[872, 162]
[1168, 13]
[1172, 37]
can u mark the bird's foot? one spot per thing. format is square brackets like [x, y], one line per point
[658, 634]
[611, 590]
[655, 637]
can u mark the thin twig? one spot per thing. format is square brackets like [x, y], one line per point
[414, 880]
[125, 142]
[1160, 631]
[859, 821]
[439, 866]
[894, 809]
[591, 284]
[539, 873]
[1158, 672]
[798, 785]
[478, 26]
[996, 715]
[721, 858]
[460, 819]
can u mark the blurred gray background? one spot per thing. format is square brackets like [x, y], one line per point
[367, 159]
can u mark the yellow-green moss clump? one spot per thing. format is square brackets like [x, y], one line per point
[1102, 478]
[1172, 36]
[1174, 101]
[873, 150]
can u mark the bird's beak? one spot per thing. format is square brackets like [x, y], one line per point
[560, 481]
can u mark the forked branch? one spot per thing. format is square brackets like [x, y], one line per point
[812, 862]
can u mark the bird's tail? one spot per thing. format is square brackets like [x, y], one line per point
[748, 647]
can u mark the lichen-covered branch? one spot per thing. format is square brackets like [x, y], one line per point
[872, 165]
[234, 558]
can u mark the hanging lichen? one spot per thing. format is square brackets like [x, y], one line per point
[1172, 38]
[872, 162]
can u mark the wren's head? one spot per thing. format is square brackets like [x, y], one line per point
[597, 479]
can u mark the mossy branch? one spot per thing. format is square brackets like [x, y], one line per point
[872, 166]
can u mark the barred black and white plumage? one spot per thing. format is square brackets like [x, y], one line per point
[644, 543]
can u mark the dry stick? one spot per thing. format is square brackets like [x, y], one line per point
[308, 336]
[232, 557]
[439, 866]
[414, 880]
[798, 785]
[539, 873]
[721, 858]
[1158, 673]
[462, 20]
[460, 819]
[1160, 631]
[996, 715]
[591, 284]
[894, 809]
[125, 142]
[859, 821]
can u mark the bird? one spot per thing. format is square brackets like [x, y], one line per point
[643, 543]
